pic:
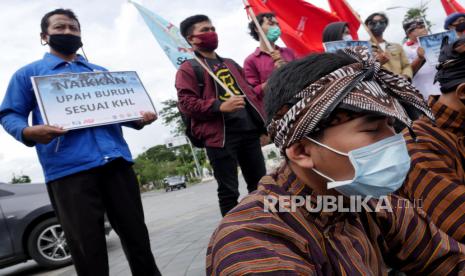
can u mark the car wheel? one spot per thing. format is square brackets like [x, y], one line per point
[47, 244]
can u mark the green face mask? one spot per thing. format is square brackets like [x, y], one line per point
[273, 33]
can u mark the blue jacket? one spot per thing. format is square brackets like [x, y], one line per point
[77, 150]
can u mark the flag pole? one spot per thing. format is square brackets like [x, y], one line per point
[257, 25]
[209, 71]
[372, 37]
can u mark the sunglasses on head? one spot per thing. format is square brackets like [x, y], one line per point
[416, 25]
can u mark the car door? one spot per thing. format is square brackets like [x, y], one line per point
[6, 246]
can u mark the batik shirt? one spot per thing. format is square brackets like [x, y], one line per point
[437, 176]
[250, 240]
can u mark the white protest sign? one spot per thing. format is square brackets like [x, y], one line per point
[432, 45]
[90, 99]
[334, 46]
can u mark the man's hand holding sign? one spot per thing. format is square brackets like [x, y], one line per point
[42, 134]
[147, 119]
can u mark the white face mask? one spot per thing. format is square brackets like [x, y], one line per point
[347, 37]
[380, 168]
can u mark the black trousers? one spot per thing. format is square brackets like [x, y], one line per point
[241, 149]
[81, 200]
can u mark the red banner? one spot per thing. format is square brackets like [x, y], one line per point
[301, 23]
[341, 9]
[451, 6]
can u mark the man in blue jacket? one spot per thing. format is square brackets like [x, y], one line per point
[88, 171]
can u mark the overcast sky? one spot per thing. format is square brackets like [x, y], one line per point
[115, 36]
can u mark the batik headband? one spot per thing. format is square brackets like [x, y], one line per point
[361, 86]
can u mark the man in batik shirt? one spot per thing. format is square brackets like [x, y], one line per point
[331, 117]
[437, 150]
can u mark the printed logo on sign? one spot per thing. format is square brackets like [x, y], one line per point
[301, 26]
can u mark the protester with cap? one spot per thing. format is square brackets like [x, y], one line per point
[423, 71]
[456, 22]
[336, 31]
[331, 116]
[390, 55]
[437, 176]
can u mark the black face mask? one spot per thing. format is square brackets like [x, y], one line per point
[66, 44]
[378, 28]
[450, 72]
[460, 27]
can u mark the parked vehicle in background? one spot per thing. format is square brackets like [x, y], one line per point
[176, 182]
[29, 228]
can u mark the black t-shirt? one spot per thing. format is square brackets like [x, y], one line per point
[237, 121]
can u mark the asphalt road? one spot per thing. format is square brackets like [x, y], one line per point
[180, 224]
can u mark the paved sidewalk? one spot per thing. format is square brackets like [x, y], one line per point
[180, 224]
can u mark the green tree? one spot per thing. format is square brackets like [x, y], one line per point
[419, 12]
[184, 154]
[146, 170]
[159, 162]
[20, 179]
[159, 153]
[172, 117]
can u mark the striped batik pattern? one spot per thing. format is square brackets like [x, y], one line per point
[250, 241]
[361, 86]
[437, 178]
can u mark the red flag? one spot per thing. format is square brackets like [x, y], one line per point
[451, 6]
[341, 9]
[301, 23]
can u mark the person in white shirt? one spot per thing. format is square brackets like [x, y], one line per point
[423, 71]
